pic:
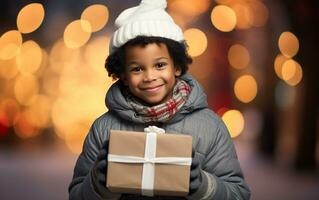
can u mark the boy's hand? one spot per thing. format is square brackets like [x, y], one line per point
[195, 175]
[100, 168]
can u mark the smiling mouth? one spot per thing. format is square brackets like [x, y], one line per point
[152, 89]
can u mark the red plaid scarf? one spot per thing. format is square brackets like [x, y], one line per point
[165, 111]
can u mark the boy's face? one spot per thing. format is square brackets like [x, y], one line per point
[150, 73]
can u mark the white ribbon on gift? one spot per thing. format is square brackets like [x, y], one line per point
[149, 160]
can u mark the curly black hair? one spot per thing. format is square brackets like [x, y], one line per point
[177, 50]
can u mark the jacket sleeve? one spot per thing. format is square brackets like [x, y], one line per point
[82, 186]
[222, 177]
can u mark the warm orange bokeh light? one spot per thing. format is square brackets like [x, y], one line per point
[261, 13]
[234, 122]
[96, 53]
[8, 69]
[292, 72]
[29, 58]
[39, 112]
[196, 40]
[30, 17]
[77, 33]
[223, 18]
[245, 88]
[75, 135]
[11, 108]
[25, 89]
[244, 15]
[10, 43]
[279, 61]
[97, 15]
[288, 44]
[188, 7]
[23, 127]
[61, 56]
[238, 56]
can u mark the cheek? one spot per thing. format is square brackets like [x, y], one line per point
[133, 83]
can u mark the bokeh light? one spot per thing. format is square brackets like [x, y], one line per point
[245, 88]
[238, 56]
[95, 54]
[26, 88]
[196, 40]
[61, 56]
[292, 72]
[188, 7]
[288, 44]
[234, 122]
[30, 17]
[279, 61]
[244, 15]
[23, 127]
[39, 112]
[223, 18]
[10, 108]
[75, 135]
[10, 43]
[77, 33]
[8, 69]
[261, 13]
[97, 15]
[29, 58]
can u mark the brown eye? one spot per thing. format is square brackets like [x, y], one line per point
[160, 65]
[136, 69]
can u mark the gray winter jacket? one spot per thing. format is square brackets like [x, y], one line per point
[221, 172]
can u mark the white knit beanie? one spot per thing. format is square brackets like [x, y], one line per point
[147, 19]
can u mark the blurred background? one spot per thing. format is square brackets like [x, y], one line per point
[256, 60]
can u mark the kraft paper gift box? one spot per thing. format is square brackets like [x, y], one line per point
[168, 176]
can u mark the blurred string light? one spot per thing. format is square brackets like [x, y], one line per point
[29, 58]
[10, 109]
[196, 40]
[288, 44]
[8, 69]
[95, 54]
[10, 43]
[39, 111]
[26, 88]
[97, 15]
[61, 56]
[185, 11]
[45, 86]
[23, 126]
[68, 113]
[245, 88]
[234, 122]
[77, 33]
[30, 17]
[223, 18]
[249, 13]
[75, 135]
[279, 61]
[287, 68]
[238, 56]
[291, 72]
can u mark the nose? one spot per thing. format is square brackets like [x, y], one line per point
[149, 75]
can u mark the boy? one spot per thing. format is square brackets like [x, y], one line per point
[148, 56]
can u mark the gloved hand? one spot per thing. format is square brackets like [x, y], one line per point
[195, 174]
[99, 169]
